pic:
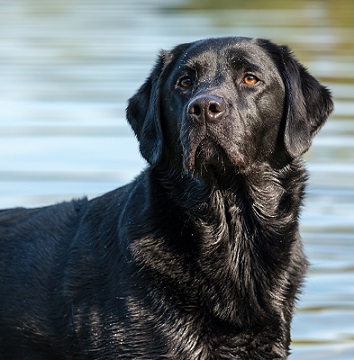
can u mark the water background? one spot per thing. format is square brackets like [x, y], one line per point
[68, 67]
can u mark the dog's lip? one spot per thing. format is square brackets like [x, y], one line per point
[221, 154]
[192, 138]
[196, 137]
[200, 149]
[189, 158]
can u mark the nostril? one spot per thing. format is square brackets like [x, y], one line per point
[214, 108]
[195, 109]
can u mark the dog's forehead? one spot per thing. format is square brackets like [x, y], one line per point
[229, 51]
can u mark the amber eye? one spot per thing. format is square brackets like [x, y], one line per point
[250, 79]
[185, 82]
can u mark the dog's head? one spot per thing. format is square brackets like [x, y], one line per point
[227, 102]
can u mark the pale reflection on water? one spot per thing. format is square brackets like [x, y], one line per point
[68, 68]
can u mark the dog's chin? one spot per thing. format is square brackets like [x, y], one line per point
[209, 160]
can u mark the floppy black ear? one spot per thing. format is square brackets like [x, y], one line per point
[143, 114]
[308, 105]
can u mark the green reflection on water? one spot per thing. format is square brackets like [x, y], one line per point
[341, 12]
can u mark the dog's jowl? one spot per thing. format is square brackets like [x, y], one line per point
[200, 256]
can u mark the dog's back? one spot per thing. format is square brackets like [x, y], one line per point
[34, 250]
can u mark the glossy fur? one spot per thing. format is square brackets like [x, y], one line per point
[200, 256]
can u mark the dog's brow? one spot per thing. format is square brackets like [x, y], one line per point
[238, 57]
[238, 62]
[198, 64]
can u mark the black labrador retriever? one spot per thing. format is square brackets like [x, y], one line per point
[199, 257]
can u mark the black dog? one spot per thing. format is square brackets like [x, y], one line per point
[199, 257]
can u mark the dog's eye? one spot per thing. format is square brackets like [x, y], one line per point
[250, 79]
[185, 82]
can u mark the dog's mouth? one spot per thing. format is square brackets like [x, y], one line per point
[206, 155]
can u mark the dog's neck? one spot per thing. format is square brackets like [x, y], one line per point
[216, 210]
[233, 274]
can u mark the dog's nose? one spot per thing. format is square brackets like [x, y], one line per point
[207, 108]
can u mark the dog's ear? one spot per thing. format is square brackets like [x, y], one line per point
[308, 105]
[143, 114]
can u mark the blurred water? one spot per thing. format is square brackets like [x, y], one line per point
[67, 69]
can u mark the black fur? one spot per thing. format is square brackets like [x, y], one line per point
[199, 257]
